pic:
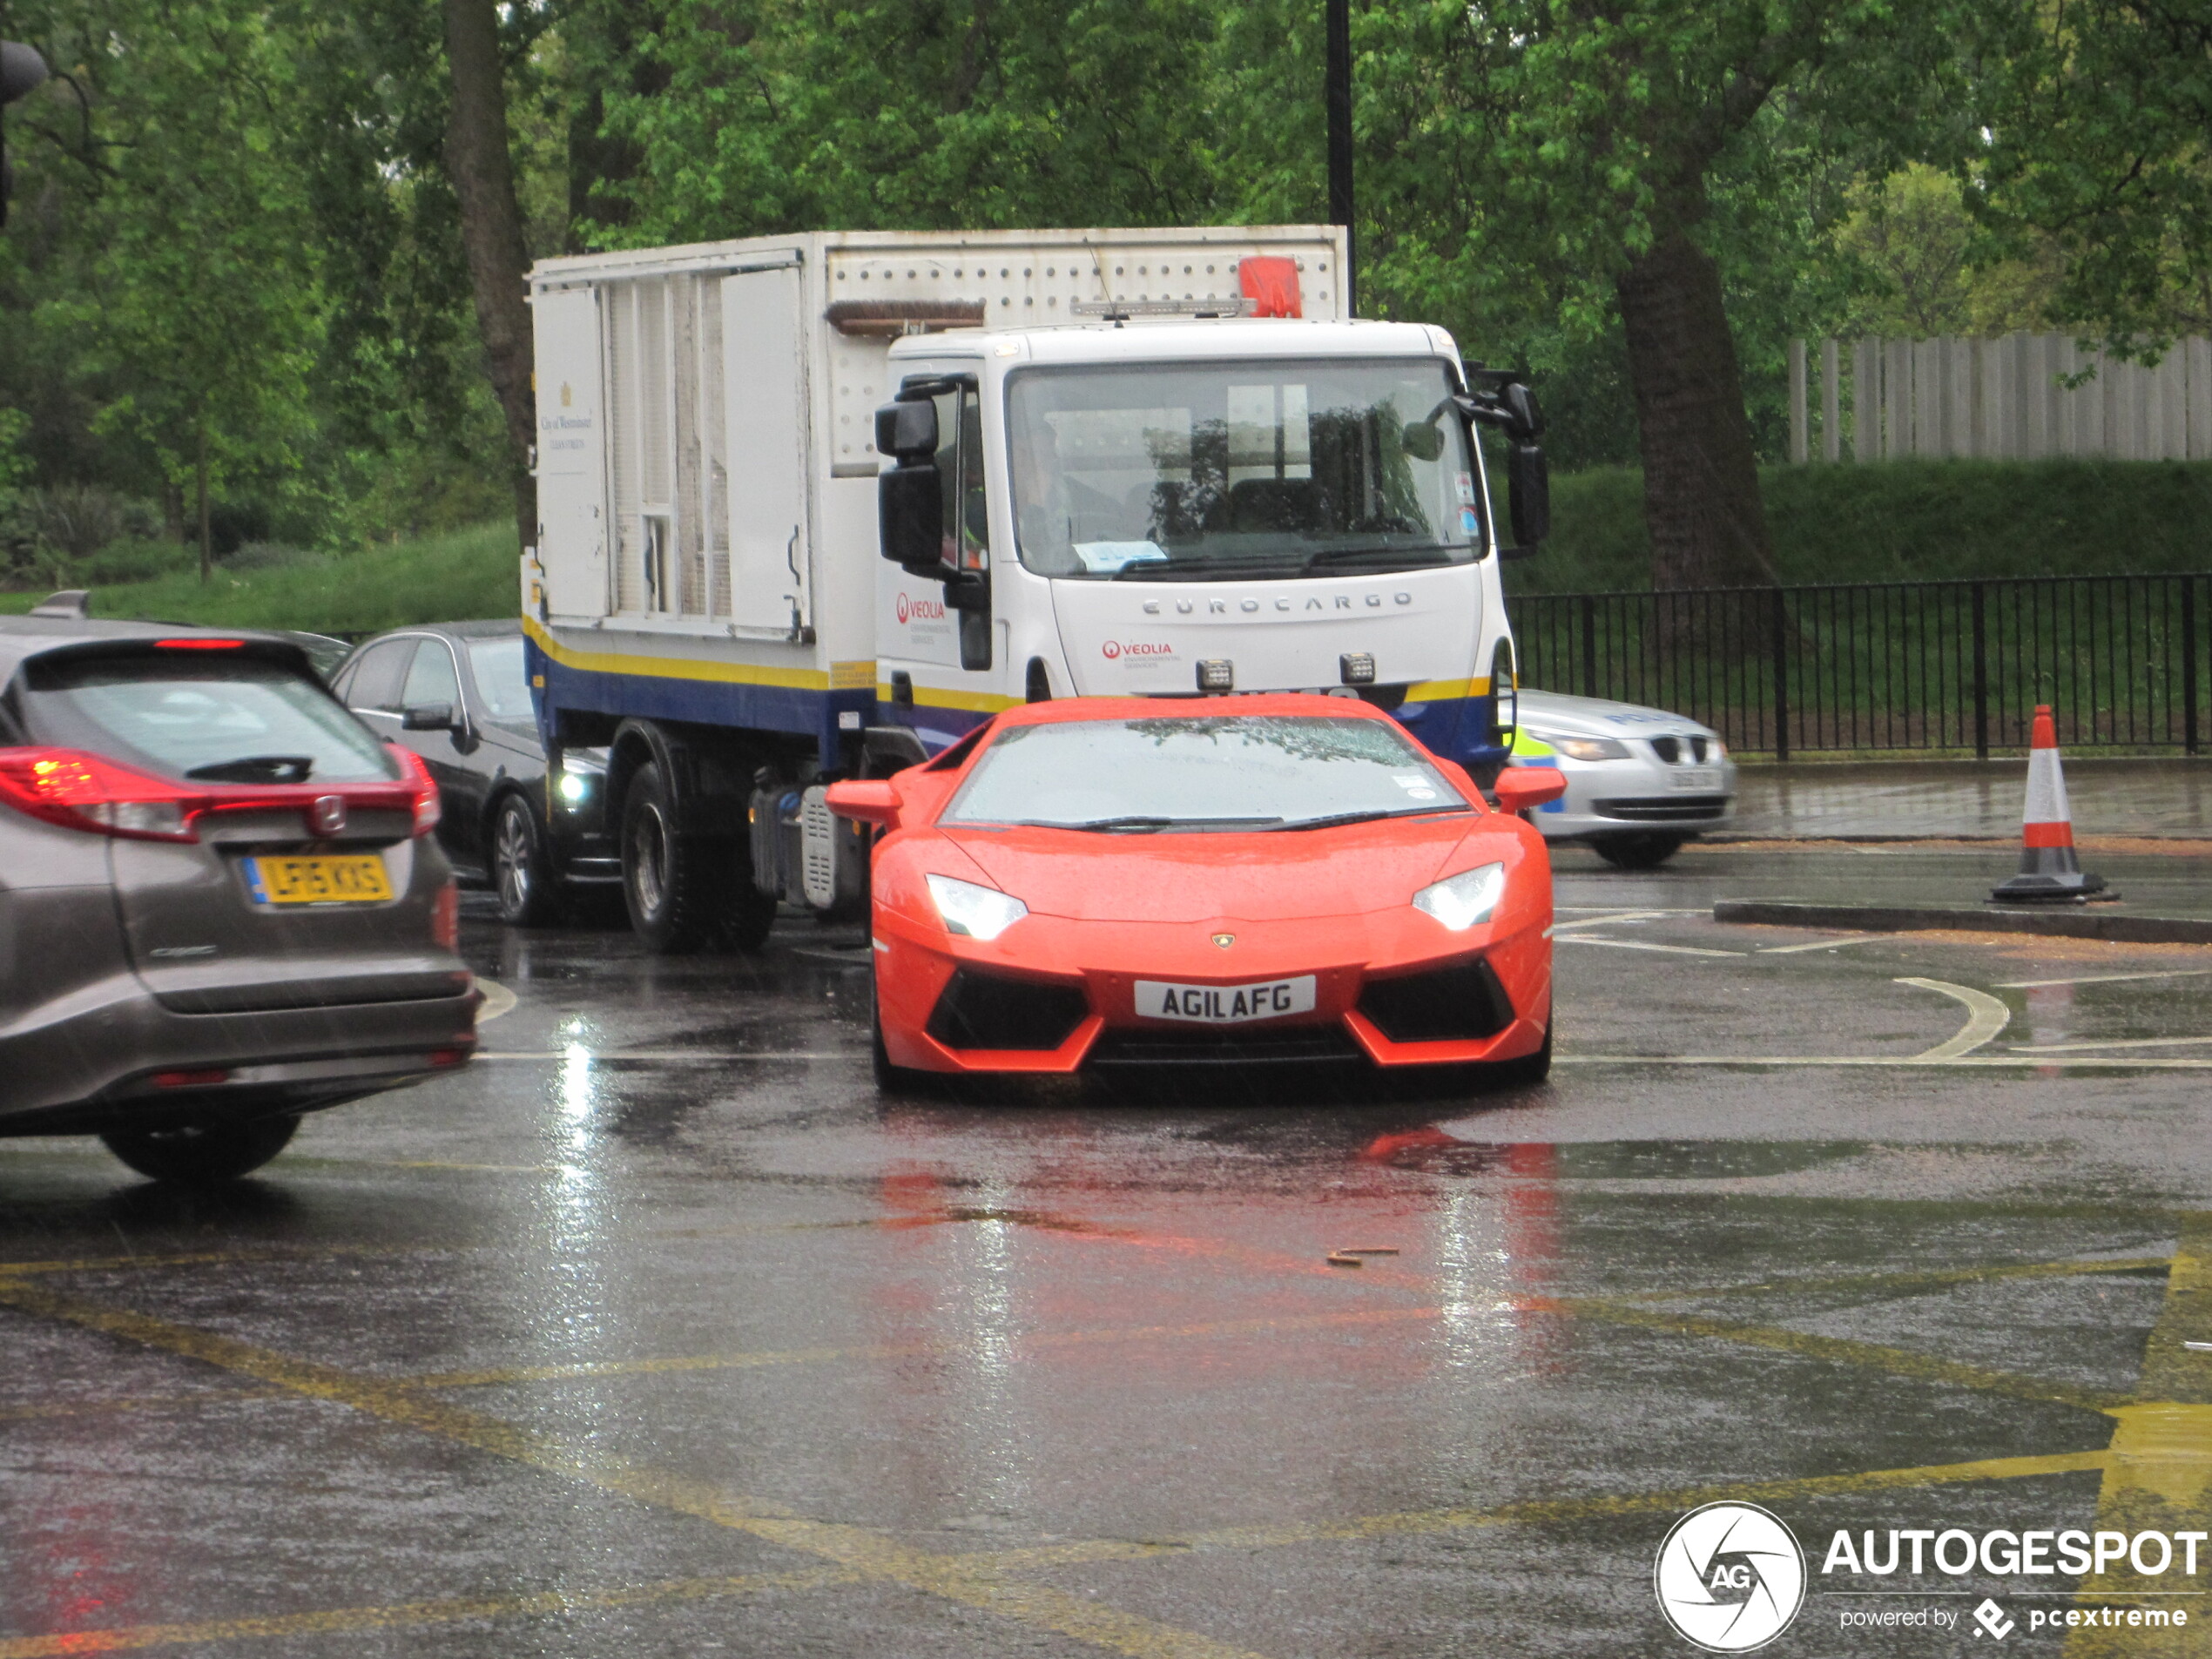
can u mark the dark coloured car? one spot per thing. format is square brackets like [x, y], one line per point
[221, 904]
[457, 695]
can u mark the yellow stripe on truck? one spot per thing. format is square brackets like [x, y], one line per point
[677, 668]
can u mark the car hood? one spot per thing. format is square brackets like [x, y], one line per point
[1593, 716]
[1283, 875]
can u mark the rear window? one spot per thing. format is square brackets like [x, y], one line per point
[217, 717]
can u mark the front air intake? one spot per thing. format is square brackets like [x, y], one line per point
[990, 1011]
[1461, 1003]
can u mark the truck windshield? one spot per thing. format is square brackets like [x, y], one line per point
[1182, 471]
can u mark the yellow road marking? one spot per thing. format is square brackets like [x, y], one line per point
[1639, 944]
[341, 1620]
[2110, 1042]
[1986, 1016]
[1546, 1511]
[1910, 1280]
[950, 1577]
[1898, 1362]
[2159, 1467]
[663, 1365]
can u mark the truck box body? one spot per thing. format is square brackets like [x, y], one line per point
[709, 552]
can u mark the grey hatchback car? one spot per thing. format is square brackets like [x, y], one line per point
[221, 904]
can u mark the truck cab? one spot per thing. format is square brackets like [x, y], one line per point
[1183, 506]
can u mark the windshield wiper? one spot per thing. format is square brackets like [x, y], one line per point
[1332, 555]
[257, 769]
[1137, 822]
[1335, 819]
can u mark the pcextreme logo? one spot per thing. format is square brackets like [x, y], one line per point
[1730, 1577]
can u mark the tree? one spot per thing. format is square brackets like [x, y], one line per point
[191, 302]
[1597, 152]
[491, 230]
[2100, 121]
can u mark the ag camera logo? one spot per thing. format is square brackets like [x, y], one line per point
[1730, 1577]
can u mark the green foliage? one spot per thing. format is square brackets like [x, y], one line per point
[2098, 113]
[1905, 521]
[445, 578]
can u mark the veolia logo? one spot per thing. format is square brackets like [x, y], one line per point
[1114, 648]
[920, 609]
[1730, 1577]
[903, 611]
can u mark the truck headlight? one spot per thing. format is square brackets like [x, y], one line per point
[1461, 900]
[574, 786]
[977, 913]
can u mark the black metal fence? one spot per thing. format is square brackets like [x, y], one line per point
[1952, 666]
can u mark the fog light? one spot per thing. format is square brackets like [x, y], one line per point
[1217, 674]
[1356, 667]
[573, 786]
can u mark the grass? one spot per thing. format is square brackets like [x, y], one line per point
[440, 579]
[1906, 521]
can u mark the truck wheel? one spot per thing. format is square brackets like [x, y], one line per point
[748, 913]
[201, 1154]
[670, 883]
[1646, 851]
[520, 871]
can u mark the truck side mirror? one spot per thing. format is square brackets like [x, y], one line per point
[910, 516]
[907, 428]
[1530, 478]
[1521, 408]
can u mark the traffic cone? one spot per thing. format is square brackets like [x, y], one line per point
[2048, 869]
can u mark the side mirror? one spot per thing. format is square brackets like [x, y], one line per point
[910, 516]
[1521, 408]
[1520, 787]
[1529, 476]
[907, 428]
[874, 800]
[1423, 440]
[427, 717]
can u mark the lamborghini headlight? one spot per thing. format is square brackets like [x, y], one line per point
[978, 912]
[1461, 900]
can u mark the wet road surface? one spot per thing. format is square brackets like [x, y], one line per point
[659, 1331]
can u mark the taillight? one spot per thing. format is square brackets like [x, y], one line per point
[86, 791]
[445, 916]
[426, 791]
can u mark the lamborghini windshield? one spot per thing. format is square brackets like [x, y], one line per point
[1212, 771]
[1169, 471]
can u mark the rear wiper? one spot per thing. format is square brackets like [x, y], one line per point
[1335, 819]
[257, 769]
[1142, 823]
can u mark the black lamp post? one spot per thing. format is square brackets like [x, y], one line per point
[1339, 104]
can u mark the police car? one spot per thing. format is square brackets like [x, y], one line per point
[1640, 782]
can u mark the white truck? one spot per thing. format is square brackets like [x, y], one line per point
[815, 506]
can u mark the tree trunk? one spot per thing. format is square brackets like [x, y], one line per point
[491, 231]
[1701, 479]
[206, 523]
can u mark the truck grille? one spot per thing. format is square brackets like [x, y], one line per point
[1664, 809]
[1452, 1004]
[990, 1011]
